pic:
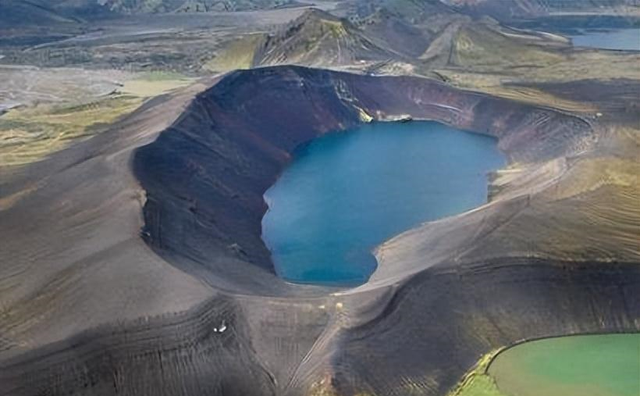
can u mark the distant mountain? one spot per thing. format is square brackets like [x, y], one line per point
[35, 12]
[38, 12]
[159, 6]
[386, 40]
[446, 33]
[316, 38]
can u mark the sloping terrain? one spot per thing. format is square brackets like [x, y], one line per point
[468, 44]
[316, 38]
[46, 110]
[160, 283]
[132, 263]
[397, 33]
[414, 11]
[21, 12]
[41, 12]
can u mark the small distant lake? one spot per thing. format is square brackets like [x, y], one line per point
[620, 39]
[347, 192]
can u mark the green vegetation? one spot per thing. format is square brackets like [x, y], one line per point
[29, 134]
[239, 54]
[480, 385]
[600, 365]
[161, 75]
[482, 46]
[477, 382]
[154, 83]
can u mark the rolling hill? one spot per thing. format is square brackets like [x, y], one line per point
[313, 39]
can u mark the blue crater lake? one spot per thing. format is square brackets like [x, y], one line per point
[617, 39]
[346, 193]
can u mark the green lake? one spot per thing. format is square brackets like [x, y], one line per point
[594, 365]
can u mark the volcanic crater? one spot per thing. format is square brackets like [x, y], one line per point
[235, 327]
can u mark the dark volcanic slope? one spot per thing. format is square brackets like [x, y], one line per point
[457, 314]
[88, 309]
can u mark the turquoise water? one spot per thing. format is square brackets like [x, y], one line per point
[622, 39]
[347, 192]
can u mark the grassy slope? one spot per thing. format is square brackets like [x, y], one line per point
[477, 382]
[480, 385]
[480, 46]
[29, 134]
[239, 54]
